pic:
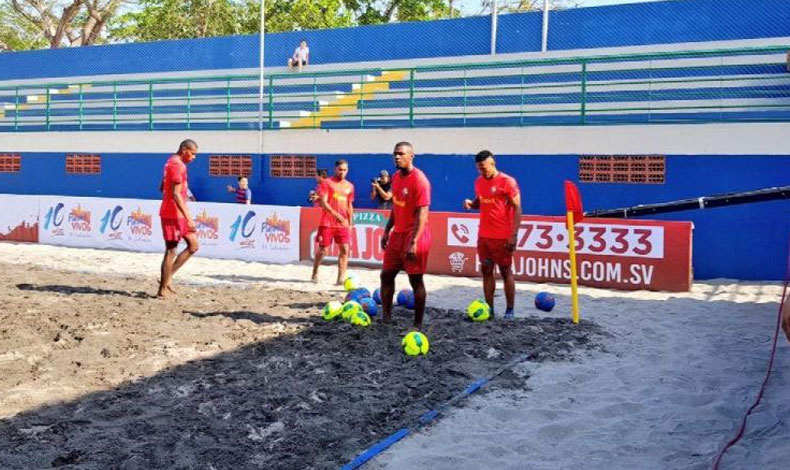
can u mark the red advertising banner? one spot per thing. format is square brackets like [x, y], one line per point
[365, 237]
[612, 253]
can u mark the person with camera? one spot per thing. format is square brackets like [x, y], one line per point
[381, 190]
[312, 197]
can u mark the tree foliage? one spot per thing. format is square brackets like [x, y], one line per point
[16, 33]
[62, 22]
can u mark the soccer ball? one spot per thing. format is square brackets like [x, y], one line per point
[360, 319]
[544, 301]
[351, 283]
[358, 294]
[415, 343]
[478, 310]
[332, 311]
[406, 298]
[369, 306]
[350, 309]
[377, 296]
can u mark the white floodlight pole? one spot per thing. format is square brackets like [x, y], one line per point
[260, 84]
[545, 36]
[493, 26]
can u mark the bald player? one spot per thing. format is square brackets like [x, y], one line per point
[499, 200]
[407, 239]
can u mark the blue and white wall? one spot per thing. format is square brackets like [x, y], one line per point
[743, 242]
[641, 24]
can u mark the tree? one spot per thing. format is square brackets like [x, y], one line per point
[175, 19]
[16, 33]
[80, 22]
[179, 19]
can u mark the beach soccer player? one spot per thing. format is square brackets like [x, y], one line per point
[407, 239]
[336, 197]
[499, 200]
[177, 222]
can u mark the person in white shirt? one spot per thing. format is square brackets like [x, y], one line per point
[301, 56]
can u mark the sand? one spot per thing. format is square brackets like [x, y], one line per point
[239, 372]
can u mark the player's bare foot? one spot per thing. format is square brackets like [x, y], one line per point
[314, 279]
[417, 328]
[171, 290]
[162, 294]
[339, 283]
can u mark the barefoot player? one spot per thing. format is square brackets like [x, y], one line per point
[336, 197]
[406, 239]
[177, 222]
[497, 196]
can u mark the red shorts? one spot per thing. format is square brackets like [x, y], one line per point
[495, 251]
[326, 235]
[397, 246]
[174, 230]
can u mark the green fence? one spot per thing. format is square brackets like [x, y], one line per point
[728, 85]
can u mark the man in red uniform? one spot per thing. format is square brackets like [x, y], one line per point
[498, 198]
[407, 239]
[336, 197]
[177, 222]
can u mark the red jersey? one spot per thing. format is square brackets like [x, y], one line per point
[496, 210]
[408, 193]
[338, 195]
[175, 172]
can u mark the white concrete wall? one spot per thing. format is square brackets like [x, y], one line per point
[702, 139]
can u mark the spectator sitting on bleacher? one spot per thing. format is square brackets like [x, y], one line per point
[301, 56]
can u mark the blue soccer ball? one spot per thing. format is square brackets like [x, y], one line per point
[357, 295]
[406, 298]
[377, 296]
[544, 301]
[369, 306]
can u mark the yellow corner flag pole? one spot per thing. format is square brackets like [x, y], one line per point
[572, 251]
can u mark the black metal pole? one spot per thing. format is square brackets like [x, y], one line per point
[705, 202]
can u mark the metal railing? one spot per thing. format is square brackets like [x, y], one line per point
[747, 84]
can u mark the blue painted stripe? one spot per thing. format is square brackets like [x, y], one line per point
[426, 418]
[376, 449]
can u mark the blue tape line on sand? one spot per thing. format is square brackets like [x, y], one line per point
[426, 418]
[376, 449]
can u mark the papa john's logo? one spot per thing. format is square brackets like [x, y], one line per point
[457, 261]
[276, 230]
[140, 223]
[207, 226]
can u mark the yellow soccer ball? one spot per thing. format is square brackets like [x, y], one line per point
[360, 319]
[332, 311]
[351, 283]
[478, 310]
[350, 309]
[415, 343]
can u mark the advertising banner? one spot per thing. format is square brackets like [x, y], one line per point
[252, 233]
[70, 221]
[127, 224]
[366, 236]
[19, 218]
[612, 253]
